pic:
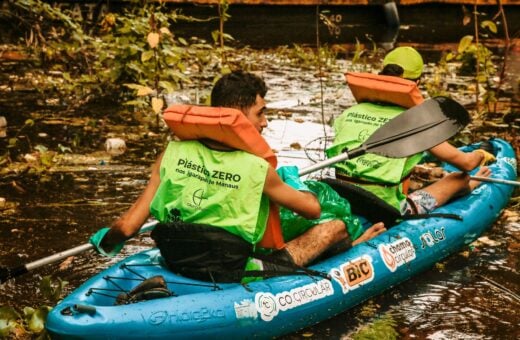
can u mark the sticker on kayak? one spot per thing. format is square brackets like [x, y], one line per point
[397, 253]
[430, 239]
[246, 310]
[269, 305]
[354, 273]
[510, 161]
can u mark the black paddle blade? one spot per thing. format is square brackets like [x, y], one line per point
[8, 273]
[419, 128]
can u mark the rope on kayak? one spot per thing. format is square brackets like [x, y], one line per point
[127, 267]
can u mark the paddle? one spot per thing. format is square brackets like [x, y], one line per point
[495, 180]
[8, 273]
[413, 131]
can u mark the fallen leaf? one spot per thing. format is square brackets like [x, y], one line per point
[153, 39]
[157, 104]
[66, 264]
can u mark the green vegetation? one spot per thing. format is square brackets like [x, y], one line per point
[133, 55]
[30, 322]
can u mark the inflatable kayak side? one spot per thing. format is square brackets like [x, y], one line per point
[280, 305]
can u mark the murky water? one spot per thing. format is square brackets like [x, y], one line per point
[458, 299]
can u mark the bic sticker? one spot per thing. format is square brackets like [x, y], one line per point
[354, 273]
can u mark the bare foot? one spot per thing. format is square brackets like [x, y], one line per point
[370, 233]
[484, 171]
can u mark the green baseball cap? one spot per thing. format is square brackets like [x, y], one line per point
[408, 58]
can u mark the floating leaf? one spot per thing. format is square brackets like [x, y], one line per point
[153, 39]
[8, 317]
[133, 86]
[490, 25]
[157, 104]
[464, 43]
[146, 55]
[28, 311]
[144, 91]
[296, 146]
[168, 86]
[8, 313]
[37, 321]
[183, 41]
[165, 30]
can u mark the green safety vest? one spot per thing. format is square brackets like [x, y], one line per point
[219, 188]
[352, 128]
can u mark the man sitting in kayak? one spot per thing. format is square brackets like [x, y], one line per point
[170, 193]
[385, 177]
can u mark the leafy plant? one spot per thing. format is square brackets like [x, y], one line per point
[479, 61]
[363, 57]
[133, 56]
[219, 36]
[381, 329]
[31, 321]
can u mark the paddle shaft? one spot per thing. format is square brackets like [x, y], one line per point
[495, 180]
[7, 273]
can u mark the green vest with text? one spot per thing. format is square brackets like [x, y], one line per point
[219, 188]
[352, 128]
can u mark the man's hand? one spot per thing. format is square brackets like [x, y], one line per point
[97, 239]
[289, 174]
[486, 157]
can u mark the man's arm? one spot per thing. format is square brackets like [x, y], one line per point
[464, 161]
[131, 221]
[301, 202]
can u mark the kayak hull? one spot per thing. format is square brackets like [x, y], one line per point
[280, 305]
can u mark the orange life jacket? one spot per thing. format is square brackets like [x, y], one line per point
[231, 128]
[369, 87]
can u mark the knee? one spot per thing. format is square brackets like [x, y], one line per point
[339, 228]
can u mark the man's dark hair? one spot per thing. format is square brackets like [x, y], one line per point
[237, 89]
[392, 70]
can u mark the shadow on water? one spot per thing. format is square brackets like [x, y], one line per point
[61, 208]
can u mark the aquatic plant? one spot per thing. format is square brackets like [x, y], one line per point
[382, 328]
[30, 322]
[477, 60]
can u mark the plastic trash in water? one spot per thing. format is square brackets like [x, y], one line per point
[176, 98]
[115, 146]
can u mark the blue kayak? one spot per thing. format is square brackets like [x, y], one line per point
[285, 304]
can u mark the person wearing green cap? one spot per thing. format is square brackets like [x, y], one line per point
[408, 59]
[387, 178]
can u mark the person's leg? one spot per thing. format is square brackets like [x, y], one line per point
[306, 247]
[370, 233]
[321, 237]
[454, 184]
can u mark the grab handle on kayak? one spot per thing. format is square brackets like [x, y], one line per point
[84, 309]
